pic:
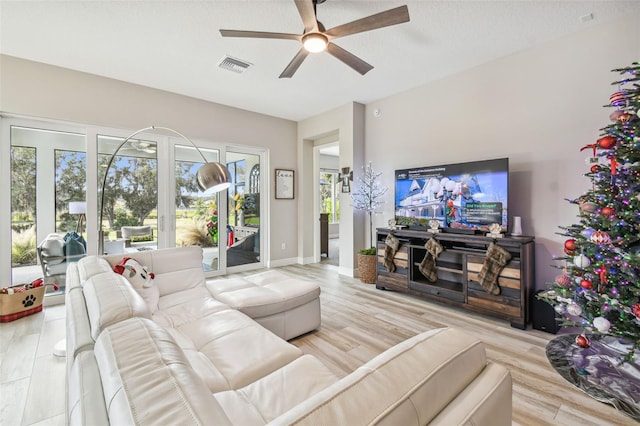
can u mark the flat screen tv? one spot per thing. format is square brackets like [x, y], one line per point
[463, 197]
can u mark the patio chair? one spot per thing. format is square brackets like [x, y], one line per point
[55, 253]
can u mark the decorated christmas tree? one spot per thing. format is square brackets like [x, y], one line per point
[599, 288]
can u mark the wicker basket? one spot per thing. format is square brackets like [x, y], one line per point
[367, 264]
[21, 304]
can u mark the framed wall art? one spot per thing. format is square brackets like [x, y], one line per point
[284, 184]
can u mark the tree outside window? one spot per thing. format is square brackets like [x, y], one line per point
[23, 205]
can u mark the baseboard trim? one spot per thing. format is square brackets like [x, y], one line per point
[348, 272]
[306, 260]
[282, 262]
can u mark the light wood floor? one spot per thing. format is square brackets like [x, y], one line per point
[358, 322]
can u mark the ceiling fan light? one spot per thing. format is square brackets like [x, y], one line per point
[314, 42]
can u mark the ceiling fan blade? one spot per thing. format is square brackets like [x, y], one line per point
[294, 64]
[379, 20]
[259, 34]
[308, 14]
[349, 58]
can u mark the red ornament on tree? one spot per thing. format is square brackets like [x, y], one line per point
[636, 310]
[586, 284]
[595, 168]
[607, 142]
[607, 211]
[615, 115]
[563, 280]
[600, 237]
[570, 244]
[583, 341]
[617, 98]
[625, 117]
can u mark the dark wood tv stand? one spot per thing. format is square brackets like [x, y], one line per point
[458, 266]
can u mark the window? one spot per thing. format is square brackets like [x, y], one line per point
[23, 206]
[71, 189]
[131, 187]
[254, 179]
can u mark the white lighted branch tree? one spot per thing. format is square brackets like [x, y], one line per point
[368, 194]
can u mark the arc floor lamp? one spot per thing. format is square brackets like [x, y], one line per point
[213, 177]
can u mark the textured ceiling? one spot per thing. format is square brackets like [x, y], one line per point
[176, 46]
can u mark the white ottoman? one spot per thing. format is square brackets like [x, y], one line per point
[287, 306]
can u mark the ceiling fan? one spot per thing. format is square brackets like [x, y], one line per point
[316, 38]
[148, 147]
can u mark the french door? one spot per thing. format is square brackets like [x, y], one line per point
[47, 177]
[197, 218]
[56, 173]
[244, 232]
[128, 194]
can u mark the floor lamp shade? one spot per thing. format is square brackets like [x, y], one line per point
[212, 176]
[77, 207]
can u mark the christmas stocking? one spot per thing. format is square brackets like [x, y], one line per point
[428, 264]
[496, 259]
[391, 245]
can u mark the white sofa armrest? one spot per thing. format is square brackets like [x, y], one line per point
[409, 384]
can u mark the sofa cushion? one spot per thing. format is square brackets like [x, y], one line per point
[180, 308]
[175, 269]
[146, 378]
[229, 350]
[265, 293]
[90, 266]
[276, 393]
[111, 299]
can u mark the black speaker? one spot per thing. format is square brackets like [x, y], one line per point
[543, 316]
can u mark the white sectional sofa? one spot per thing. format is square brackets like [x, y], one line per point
[181, 356]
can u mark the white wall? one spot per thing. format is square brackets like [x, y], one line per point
[537, 107]
[348, 123]
[44, 91]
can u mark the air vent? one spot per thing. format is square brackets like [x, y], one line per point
[234, 64]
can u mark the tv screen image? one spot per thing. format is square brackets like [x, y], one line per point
[464, 196]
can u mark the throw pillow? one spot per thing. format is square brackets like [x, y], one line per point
[76, 237]
[141, 279]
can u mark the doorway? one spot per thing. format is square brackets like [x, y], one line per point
[329, 202]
